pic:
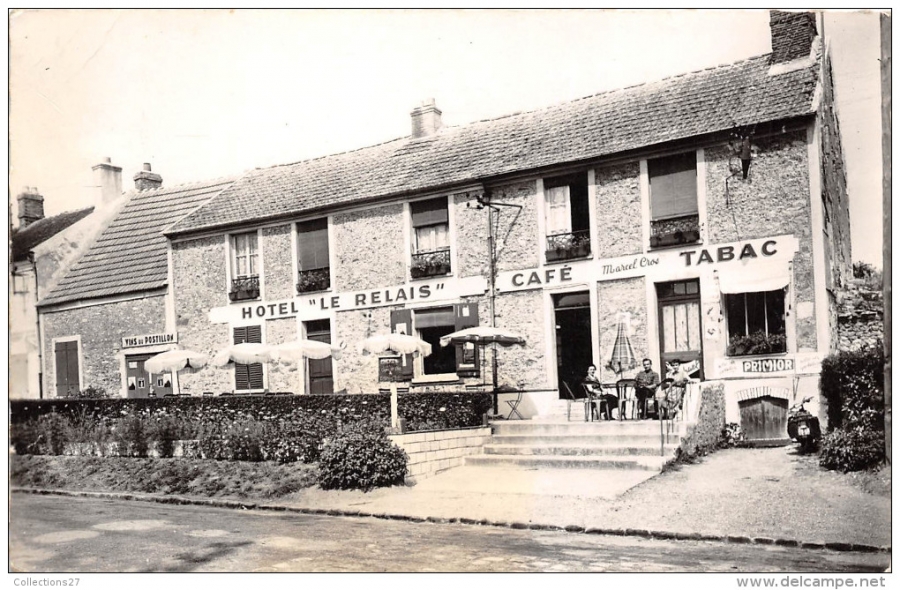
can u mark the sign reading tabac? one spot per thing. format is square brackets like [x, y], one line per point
[625, 267]
[149, 340]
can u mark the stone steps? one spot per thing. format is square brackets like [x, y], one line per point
[578, 450]
[570, 462]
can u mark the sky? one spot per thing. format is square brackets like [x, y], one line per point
[201, 94]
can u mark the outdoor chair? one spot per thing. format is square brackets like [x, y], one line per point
[514, 407]
[587, 400]
[600, 405]
[625, 391]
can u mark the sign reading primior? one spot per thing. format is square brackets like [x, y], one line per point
[149, 340]
[768, 365]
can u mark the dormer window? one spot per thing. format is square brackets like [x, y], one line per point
[244, 267]
[431, 238]
[674, 216]
[313, 256]
[567, 217]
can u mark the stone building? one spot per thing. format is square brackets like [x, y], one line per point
[705, 213]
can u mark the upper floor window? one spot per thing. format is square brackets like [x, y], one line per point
[755, 322]
[244, 267]
[431, 238]
[567, 217]
[314, 273]
[674, 217]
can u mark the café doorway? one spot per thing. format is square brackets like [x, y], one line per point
[574, 352]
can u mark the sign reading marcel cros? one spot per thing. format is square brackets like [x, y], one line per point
[624, 267]
[149, 340]
[318, 306]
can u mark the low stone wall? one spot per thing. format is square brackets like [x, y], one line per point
[430, 452]
[703, 434]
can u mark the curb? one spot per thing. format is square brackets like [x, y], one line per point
[619, 532]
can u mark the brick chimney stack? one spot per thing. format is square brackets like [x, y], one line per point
[426, 119]
[792, 35]
[145, 179]
[108, 180]
[31, 206]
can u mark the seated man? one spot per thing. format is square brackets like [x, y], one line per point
[645, 383]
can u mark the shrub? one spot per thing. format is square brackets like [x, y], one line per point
[291, 443]
[732, 435]
[361, 458]
[92, 392]
[852, 450]
[165, 430]
[853, 384]
[756, 343]
[437, 411]
[131, 437]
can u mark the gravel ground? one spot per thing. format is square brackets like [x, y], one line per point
[773, 493]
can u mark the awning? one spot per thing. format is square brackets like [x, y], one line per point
[754, 278]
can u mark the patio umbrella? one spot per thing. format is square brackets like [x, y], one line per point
[244, 353]
[175, 360]
[482, 336]
[306, 349]
[622, 358]
[398, 344]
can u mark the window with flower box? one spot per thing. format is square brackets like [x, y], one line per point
[756, 323]
[431, 238]
[567, 217]
[314, 273]
[674, 215]
[244, 267]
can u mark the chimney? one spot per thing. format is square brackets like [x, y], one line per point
[145, 179]
[108, 179]
[426, 119]
[792, 35]
[31, 206]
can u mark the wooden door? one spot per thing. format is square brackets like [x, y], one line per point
[764, 418]
[67, 374]
[680, 329]
[319, 371]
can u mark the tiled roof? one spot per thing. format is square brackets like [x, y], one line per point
[130, 255]
[688, 105]
[27, 239]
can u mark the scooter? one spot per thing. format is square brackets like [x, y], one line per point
[803, 427]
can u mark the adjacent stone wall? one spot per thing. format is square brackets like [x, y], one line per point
[860, 316]
[523, 314]
[283, 376]
[517, 237]
[101, 328]
[471, 236]
[431, 452]
[627, 295]
[619, 210]
[198, 271]
[278, 273]
[369, 248]
[774, 200]
[703, 435]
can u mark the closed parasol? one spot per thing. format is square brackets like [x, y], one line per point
[395, 343]
[622, 358]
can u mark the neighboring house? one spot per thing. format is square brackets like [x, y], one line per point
[42, 250]
[707, 210]
[111, 310]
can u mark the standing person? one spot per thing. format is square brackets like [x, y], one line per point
[645, 383]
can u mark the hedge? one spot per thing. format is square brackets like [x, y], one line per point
[853, 384]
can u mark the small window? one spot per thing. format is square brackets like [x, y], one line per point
[431, 238]
[313, 256]
[244, 267]
[755, 323]
[674, 217]
[20, 283]
[567, 217]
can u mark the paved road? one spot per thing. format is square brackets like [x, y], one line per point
[62, 534]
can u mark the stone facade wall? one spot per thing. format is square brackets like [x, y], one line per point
[471, 237]
[278, 266]
[199, 284]
[517, 236]
[431, 452]
[523, 313]
[354, 371]
[283, 376]
[860, 316]
[627, 295]
[703, 434]
[369, 248]
[774, 200]
[619, 210]
[101, 328]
